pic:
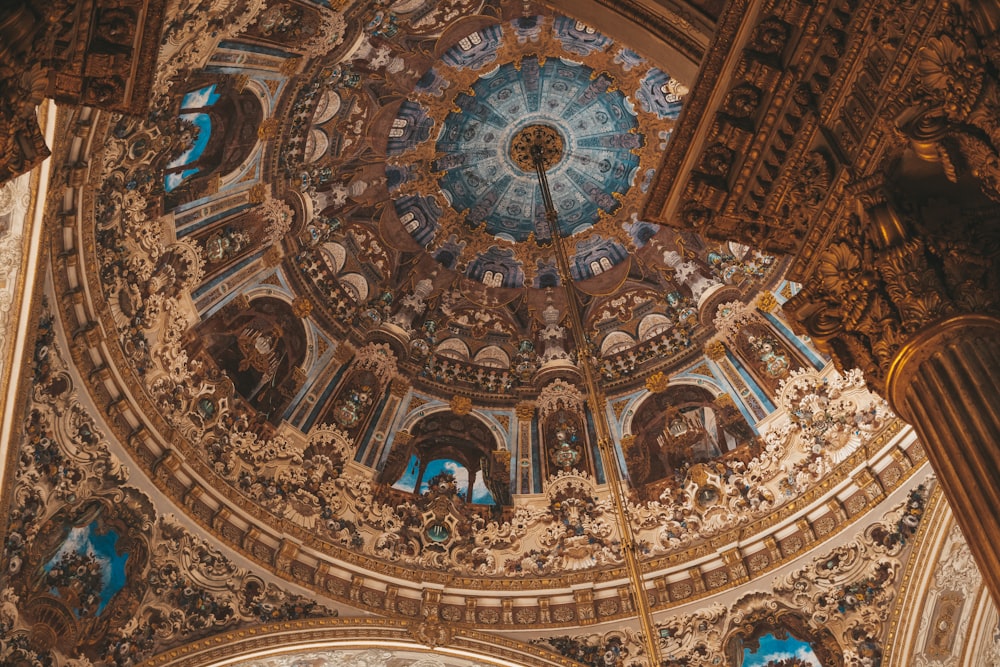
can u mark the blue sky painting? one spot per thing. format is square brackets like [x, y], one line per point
[87, 540]
[480, 494]
[773, 649]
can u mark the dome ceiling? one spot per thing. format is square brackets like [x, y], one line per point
[330, 331]
[425, 197]
[607, 112]
[299, 348]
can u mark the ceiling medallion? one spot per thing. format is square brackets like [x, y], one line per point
[537, 138]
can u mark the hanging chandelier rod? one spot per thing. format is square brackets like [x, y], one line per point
[605, 442]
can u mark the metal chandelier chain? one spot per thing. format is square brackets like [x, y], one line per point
[605, 442]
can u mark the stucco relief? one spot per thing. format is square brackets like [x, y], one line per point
[68, 585]
[840, 602]
[15, 199]
[947, 612]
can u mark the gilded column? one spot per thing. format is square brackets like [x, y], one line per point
[946, 382]
[908, 289]
[912, 299]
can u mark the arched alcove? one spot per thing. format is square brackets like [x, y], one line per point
[260, 345]
[677, 428]
[216, 128]
[445, 448]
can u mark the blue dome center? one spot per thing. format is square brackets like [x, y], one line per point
[594, 120]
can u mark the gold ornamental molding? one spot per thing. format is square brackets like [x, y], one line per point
[787, 108]
[353, 633]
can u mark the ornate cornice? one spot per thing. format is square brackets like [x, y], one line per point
[794, 104]
[695, 109]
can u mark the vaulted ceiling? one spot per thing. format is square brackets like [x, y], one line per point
[300, 355]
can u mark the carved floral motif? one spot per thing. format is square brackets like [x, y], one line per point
[840, 602]
[189, 589]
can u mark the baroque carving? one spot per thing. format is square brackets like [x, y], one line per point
[869, 296]
[559, 395]
[102, 54]
[840, 602]
[173, 588]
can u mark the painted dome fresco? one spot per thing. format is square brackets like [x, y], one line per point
[607, 111]
[318, 309]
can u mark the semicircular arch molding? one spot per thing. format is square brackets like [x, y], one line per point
[460, 646]
[633, 407]
[428, 410]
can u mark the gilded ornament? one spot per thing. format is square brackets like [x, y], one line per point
[657, 382]
[273, 256]
[257, 193]
[766, 302]
[399, 386]
[302, 307]
[715, 350]
[840, 269]
[344, 353]
[948, 70]
[290, 66]
[267, 128]
[461, 405]
[525, 411]
[543, 140]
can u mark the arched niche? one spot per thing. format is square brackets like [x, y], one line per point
[674, 429]
[260, 345]
[492, 356]
[615, 342]
[443, 445]
[216, 130]
[354, 403]
[453, 348]
[653, 325]
[567, 445]
[780, 633]
[356, 286]
[769, 354]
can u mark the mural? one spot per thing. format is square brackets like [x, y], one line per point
[86, 570]
[597, 143]
[773, 652]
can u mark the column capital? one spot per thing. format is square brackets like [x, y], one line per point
[398, 386]
[890, 273]
[525, 410]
